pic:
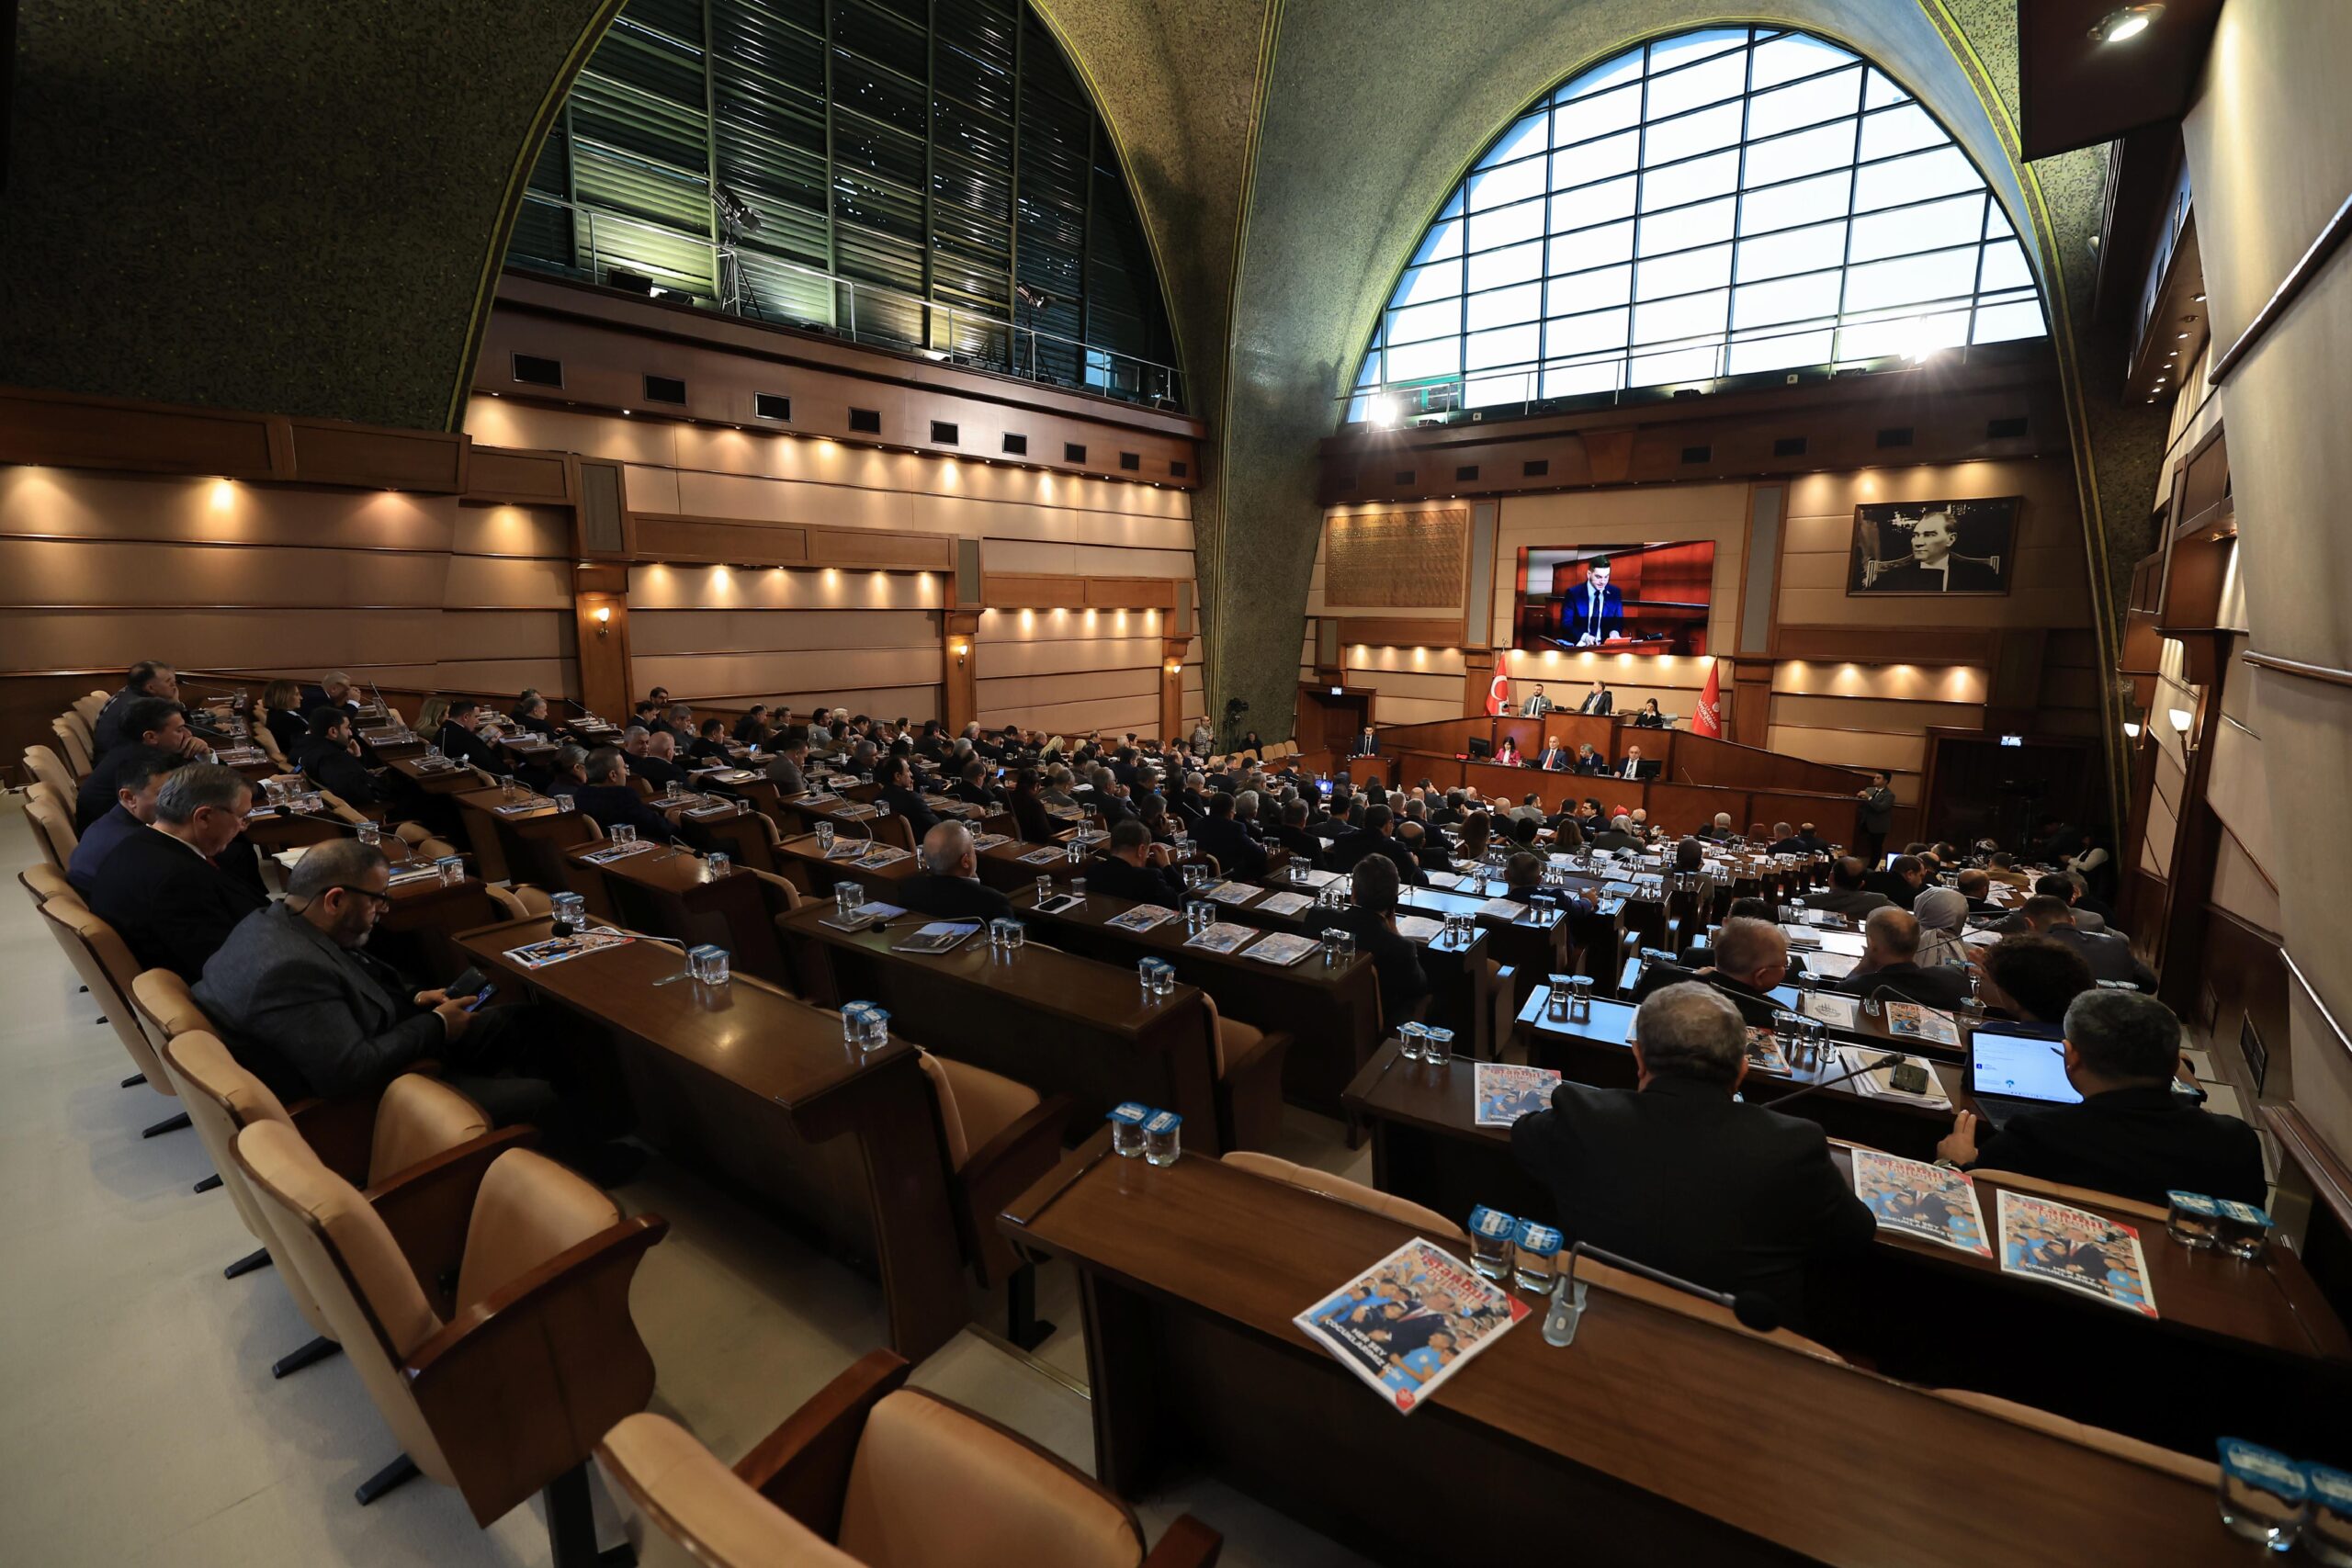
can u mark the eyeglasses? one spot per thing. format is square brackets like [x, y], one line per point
[384, 899]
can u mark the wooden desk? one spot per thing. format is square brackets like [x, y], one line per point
[418, 933]
[457, 780]
[1656, 1438]
[1331, 1015]
[671, 891]
[2239, 1343]
[747, 1080]
[1060, 1023]
[1594, 1051]
[807, 869]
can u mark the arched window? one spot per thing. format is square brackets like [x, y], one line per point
[1719, 203]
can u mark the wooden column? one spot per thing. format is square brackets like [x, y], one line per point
[599, 619]
[1750, 690]
[1477, 675]
[1171, 687]
[959, 701]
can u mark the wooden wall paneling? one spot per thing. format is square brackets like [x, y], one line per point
[718, 541]
[605, 529]
[1877, 645]
[1171, 687]
[1478, 676]
[876, 549]
[63, 430]
[334, 453]
[601, 630]
[1749, 691]
[519, 477]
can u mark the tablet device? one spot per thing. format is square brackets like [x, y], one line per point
[2014, 1070]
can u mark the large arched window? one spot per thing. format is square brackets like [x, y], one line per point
[1716, 204]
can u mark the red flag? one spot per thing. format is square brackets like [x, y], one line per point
[1498, 694]
[1708, 718]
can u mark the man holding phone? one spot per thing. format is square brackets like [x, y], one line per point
[309, 1011]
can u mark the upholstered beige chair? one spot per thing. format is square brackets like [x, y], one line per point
[52, 830]
[520, 902]
[72, 747]
[872, 1473]
[1000, 1137]
[99, 956]
[43, 763]
[89, 707]
[1354, 1194]
[485, 1307]
[417, 1120]
[1248, 1079]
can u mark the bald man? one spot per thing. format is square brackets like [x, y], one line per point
[1890, 968]
[949, 880]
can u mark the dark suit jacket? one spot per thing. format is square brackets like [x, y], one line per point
[332, 767]
[1603, 702]
[1238, 854]
[2109, 956]
[1140, 883]
[172, 907]
[659, 772]
[1963, 577]
[1030, 823]
[1395, 960]
[905, 803]
[1559, 758]
[106, 733]
[2135, 1142]
[1852, 902]
[308, 1018]
[1937, 985]
[1305, 847]
[314, 697]
[456, 740]
[1891, 888]
[1610, 839]
[950, 896]
[1755, 1007]
[1684, 1178]
[614, 806]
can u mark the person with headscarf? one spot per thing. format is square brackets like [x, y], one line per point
[1943, 919]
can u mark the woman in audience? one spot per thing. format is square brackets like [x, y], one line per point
[430, 716]
[281, 703]
[1942, 913]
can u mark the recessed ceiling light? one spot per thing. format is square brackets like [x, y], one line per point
[2181, 334]
[2128, 22]
[2196, 298]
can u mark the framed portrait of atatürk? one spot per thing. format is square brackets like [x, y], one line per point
[1934, 546]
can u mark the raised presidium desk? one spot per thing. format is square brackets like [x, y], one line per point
[2239, 1349]
[745, 1078]
[1657, 1437]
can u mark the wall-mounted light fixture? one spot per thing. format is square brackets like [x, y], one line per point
[604, 614]
[962, 650]
[2181, 719]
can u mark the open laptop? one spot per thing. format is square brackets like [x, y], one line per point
[2014, 1068]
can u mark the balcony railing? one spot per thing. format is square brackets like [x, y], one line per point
[614, 250]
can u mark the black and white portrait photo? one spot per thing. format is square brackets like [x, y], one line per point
[1934, 546]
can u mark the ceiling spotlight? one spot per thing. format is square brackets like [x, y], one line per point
[2128, 22]
[2180, 334]
[2196, 298]
[734, 212]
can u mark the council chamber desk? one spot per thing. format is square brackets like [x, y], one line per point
[2240, 1348]
[1657, 1437]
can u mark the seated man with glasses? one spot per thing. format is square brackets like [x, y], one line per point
[310, 1013]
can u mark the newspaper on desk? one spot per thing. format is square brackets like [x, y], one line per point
[1235, 893]
[1910, 1197]
[1909, 1020]
[879, 856]
[1281, 947]
[563, 949]
[1286, 904]
[611, 853]
[1503, 909]
[1140, 918]
[1410, 1321]
[1223, 936]
[1764, 1052]
[1045, 856]
[1504, 1092]
[990, 840]
[936, 936]
[2075, 1250]
[1420, 928]
[1313, 878]
[1831, 965]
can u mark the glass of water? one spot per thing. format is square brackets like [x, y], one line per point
[624, 834]
[1164, 1134]
[1126, 1129]
[371, 833]
[873, 1029]
[1437, 1046]
[719, 864]
[1408, 1037]
[824, 837]
[1044, 888]
[848, 897]
[1490, 1233]
[565, 804]
[1536, 1253]
[1078, 888]
[452, 869]
[853, 1022]
[708, 963]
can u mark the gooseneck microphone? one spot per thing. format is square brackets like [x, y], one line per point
[1752, 1309]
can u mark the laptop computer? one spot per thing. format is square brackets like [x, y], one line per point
[2013, 1068]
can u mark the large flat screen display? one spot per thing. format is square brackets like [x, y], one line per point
[1616, 598]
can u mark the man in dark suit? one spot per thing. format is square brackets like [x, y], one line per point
[931, 744]
[896, 779]
[148, 721]
[1618, 835]
[652, 756]
[1378, 836]
[1554, 758]
[1633, 767]
[1133, 868]
[1846, 895]
[458, 739]
[1978, 888]
[145, 679]
[1751, 958]
[1934, 566]
[331, 759]
[1371, 919]
[2131, 1134]
[1221, 834]
[1598, 700]
[2060, 886]
[1678, 1175]
[1900, 882]
[334, 690]
[972, 788]
[1594, 612]
[1889, 968]
[139, 780]
[1367, 744]
[1305, 847]
[948, 881]
[2109, 956]
[598, 784]
[309, 1012]
[1872, 821]
[160, 889]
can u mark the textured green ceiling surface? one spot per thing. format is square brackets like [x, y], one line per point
[284, 205]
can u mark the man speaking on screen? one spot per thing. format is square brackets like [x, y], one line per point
[1595, 610]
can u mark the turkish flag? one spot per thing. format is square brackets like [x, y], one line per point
[1708, 718]
[1498, 694]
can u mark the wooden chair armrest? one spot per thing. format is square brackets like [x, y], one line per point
[520, 1386]
[340, 1131]
[1186, 1543]
[803, 1466]
[1028, 1146]
[428, 1206]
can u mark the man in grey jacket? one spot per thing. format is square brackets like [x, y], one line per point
[309, 1012]
[791, 756]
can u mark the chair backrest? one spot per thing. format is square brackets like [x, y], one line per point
[89, 707]
[693, 1511]
[221, 1098]
[42, 789]
[1355, 1194]
[46, 882]
[936, 1486]
[52, 830]
[521, 902]
[72, 747]
[417, 1118]
[893, 829]
[527, 1210]
[166, 1003]
[72, 719]
[975, 1104]
[43, 763]
[412, 833]
[267, 740]
[83, 936]
[365, 1288]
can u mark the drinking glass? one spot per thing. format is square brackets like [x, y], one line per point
[873, 1029]
[1408, 1038]
[1163, 1137]
[371, 833]
[1044, 888]
[1078, 888]
[565, 804]
[853, 1021]
[719, 864]
[452, 869]
[624, 834]
[847, 897]
[2264, 1496]
[1126, 1129]
[1437, 1045]
[1490, 1233]
[708, 963]
[1536, 1252]
[2194, 1221]
[824, 837]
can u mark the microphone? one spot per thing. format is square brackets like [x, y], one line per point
[1752, 1309]
[1890, 1059]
